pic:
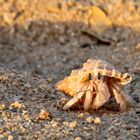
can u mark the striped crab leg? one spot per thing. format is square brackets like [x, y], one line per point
[90, 93]
[78, 96]
[102, 94]
[121, 98]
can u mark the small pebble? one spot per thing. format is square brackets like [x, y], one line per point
[1, 137]
[10, 137]
[81, 115]
[73, 124]
[48, 126]
[112, 138]
[43, 115]
[137, 46]
[90, 119]
[54, 124]
[86, 128]
[78, 138]
[2, 106]
[5, 134]
[66, 123]
[27, 117]
[3, 78]
[49, 79]
[23, 130]
[4, 114]
[97, 120]
[17, 105]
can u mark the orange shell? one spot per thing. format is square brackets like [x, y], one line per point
[72, 83]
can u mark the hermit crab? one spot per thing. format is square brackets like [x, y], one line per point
[94, 84]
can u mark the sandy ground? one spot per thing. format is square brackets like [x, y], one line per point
[40, 43]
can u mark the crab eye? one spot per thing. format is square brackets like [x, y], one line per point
[99, 76]
[90, 76]
[127, 77]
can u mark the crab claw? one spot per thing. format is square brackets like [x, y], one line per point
[102, 96]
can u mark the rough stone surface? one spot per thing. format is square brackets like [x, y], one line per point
[40, 43]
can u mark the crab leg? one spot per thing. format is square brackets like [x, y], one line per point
[76, 97]
[89, 96]
[102, 96]
[123, 99]
[119, 99]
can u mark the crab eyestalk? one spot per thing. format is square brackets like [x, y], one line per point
[126, 78]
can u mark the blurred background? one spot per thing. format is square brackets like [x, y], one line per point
[53, 37]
